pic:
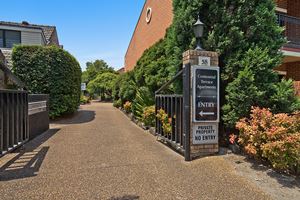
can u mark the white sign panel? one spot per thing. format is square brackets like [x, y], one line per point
[204, 61]
[205, 133]
[83, 86]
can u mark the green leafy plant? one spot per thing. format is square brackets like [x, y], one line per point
[143, 98]
[84, 99]
[124, 87]
[117, 103]
[284, 99]
[50, 70]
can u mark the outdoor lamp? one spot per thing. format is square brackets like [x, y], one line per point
[198, 31]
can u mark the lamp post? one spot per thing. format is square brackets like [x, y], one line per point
[198, 31]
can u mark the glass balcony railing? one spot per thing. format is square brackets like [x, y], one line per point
[292, 29]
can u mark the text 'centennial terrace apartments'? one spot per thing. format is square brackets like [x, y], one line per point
[157, 16]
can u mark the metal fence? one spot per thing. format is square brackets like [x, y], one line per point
[292, 28]
[172, 105]
[13, 119]
[177, 107]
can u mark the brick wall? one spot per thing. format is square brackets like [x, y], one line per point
[293, 9]
[293, 72]
[147, 34]
[297, 87]
[282, 3]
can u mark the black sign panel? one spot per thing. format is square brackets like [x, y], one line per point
[206, 94]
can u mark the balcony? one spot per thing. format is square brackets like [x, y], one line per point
[292, 29]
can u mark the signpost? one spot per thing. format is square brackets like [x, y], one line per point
[205, 103]
[83, 86]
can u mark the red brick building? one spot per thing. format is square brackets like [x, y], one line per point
[157, 16]
[289, 16]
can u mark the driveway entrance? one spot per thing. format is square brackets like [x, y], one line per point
[99, 154]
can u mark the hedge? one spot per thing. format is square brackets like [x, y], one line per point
[50, 70]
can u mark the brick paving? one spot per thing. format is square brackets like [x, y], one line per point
[100, 154]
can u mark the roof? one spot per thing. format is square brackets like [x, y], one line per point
[48, 31]
[121, 71]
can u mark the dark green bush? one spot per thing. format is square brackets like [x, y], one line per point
[118, 103]
[124, 88]
[50, 70]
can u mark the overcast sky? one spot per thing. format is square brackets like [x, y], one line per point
[88, 29]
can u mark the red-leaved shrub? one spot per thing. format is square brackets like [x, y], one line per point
[274, 137]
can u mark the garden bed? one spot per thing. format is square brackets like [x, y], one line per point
[138, 123]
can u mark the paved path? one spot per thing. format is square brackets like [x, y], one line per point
[100, 154]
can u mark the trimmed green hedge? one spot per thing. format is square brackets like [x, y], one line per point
[50, 70]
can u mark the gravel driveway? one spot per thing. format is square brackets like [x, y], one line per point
[99, 154]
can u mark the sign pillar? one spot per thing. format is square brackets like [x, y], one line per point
[204, 102]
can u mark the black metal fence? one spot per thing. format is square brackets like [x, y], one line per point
[176, 127]
[292, 28]
[14, 129]
[172, 105]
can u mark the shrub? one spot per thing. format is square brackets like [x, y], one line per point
[84, 99]
[166, 121]
[117, 103]
[127, 106]
[50, 70]
[274, 137]
[151, 70]
[284, 99]
[148, 116]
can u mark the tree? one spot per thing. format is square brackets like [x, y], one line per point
[254, 86]
[247, 37]
[93, 69]
[102, 84]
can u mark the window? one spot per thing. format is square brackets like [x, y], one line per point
[9, 38]
[1, 39]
